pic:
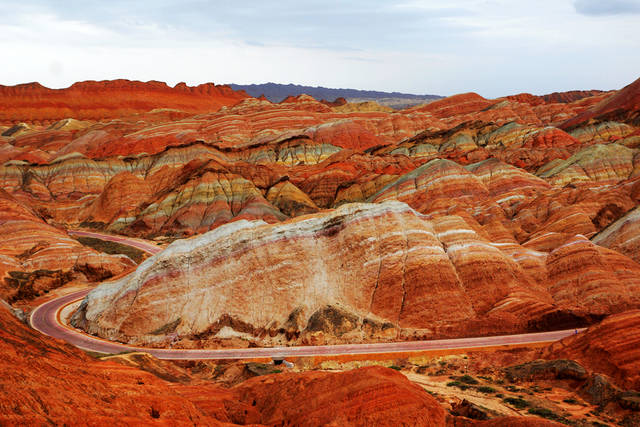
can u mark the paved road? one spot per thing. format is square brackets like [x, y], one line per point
[45, 319]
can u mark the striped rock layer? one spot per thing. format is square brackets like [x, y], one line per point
[358, 273]
[610, 347]
[92, 100]
[36, 257]
[510, 172]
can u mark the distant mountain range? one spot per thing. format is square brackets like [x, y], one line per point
[277, 92]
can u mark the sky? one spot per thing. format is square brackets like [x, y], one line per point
[492, 47]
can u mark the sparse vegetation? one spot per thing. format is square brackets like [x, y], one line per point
[548, 414]
[467, 379]
[458, 384]
[516, 402]
[486, 389]
[397, 368]
[113, 248]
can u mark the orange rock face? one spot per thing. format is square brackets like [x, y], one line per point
[59, 384]
[624, 106]
[623, 235]
[610, 347]
[367, 396]
[93, 100]
[36, 257]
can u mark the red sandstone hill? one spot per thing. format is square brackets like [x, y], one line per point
[611, 347]
[555, 97]
[623, 105]
[99, 100]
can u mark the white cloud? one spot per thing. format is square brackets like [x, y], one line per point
[494, 47]
[608, 7]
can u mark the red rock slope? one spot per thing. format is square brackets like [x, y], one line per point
[99, 100]
[611, 347]
[36, 257]
[624, 105]
[369, 396]
[47, 382]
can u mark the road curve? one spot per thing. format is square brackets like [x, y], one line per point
[46, 319]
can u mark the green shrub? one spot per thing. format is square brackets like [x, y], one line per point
[397, 368]
[486, 389]
[467, 379]
[548, 414]
[516, 402]
[113, 248]
[457, 384]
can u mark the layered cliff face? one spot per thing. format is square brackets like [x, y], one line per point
[524, 191]
[623, 235]
[93, 100]
[610, 347]
[36, 257]
[361, 272]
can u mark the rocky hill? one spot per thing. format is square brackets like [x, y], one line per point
[98, 100]
[503, 200]
[308, 222]
[275, 92]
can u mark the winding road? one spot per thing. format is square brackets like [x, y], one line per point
[46, 319]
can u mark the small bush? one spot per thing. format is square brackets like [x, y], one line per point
[397, 368]
[548, 414]
[457, 384]
[516, 402]
[422, 370]
[467, 379]
[486, 389]
[113, 248]
[542, 412]
[571, 401]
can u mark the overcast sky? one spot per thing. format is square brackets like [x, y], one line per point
[493, 47]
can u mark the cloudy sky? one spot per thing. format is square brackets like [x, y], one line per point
[493, 47]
